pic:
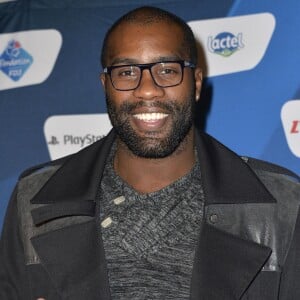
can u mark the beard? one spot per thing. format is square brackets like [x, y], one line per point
[150, 145]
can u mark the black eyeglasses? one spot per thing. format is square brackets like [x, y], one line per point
[164, 74]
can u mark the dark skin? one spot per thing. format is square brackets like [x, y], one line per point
[137, 43]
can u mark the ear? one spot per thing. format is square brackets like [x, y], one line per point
[103, 80]
[198, 82]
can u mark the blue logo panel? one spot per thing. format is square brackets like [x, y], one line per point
[15, 61]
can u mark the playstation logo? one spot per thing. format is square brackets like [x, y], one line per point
[53, 141]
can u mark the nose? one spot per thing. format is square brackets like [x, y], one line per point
[147, 88]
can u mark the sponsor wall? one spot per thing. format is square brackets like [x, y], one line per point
[52, 103]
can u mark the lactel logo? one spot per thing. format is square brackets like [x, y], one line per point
[14, 61]
[295, 127]
[239, 42]
[27, 57]
[225, 43]
[290, 117]
[67, 134]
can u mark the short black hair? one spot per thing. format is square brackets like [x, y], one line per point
[146, 15]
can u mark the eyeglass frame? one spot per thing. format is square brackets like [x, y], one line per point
[142, 67]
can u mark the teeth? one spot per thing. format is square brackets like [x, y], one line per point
[150, 116]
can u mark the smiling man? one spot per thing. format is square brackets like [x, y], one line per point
[157, 209]
[151, 83]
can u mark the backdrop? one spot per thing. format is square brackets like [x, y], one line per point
[52, 103]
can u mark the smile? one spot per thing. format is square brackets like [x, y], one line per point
[150, 116]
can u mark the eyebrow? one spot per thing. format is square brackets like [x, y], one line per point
[133, 61]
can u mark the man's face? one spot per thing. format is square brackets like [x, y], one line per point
[150, 120]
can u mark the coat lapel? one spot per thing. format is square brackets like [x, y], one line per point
[225, 263]
[73, 253]
[74, 259]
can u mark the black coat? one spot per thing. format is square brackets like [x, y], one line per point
[248, 248]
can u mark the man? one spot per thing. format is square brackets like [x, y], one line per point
[157, 209]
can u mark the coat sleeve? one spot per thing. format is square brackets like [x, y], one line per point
[13, 279]
[290, 279]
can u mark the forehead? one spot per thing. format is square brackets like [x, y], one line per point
[143, 43]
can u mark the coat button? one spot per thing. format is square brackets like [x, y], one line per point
[107, 222]
[213, 218]
[119, 200]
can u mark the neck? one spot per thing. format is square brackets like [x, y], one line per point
[147, 175]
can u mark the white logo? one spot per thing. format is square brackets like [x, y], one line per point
[290, 117]
[27, 57]
[67, 134]
[225, 43]
[234, 44]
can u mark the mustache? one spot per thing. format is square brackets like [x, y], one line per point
[128, 107]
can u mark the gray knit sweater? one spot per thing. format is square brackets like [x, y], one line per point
[150, 239]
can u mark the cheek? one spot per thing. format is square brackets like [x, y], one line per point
[116, 97]
[187, 87]
[183, 92]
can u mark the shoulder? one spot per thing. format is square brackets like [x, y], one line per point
[264, 167]
[90, 151]
[34, 178]
[283, 184]
[44, 167]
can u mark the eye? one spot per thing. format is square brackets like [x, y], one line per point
[126, 72]
[168, 69]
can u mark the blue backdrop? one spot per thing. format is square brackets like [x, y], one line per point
[49, 66]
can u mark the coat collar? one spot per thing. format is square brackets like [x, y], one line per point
[226, 177]
[224, 264]
[79, 176]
